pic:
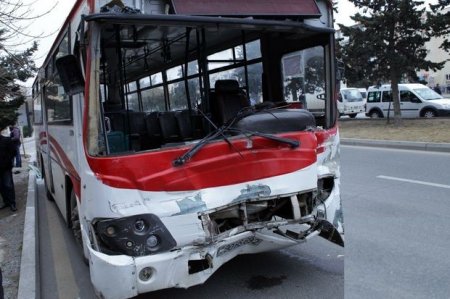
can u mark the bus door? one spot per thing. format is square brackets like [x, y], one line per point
[45, 150]
[62, 150]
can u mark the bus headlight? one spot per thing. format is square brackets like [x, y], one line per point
[152, 241]
[136, 235]
[139, 226]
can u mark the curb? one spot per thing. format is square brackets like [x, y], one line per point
[408, 145]
[28, 281]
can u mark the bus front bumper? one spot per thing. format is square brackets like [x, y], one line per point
[181, 268]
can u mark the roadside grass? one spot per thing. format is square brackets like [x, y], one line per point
[417, 129]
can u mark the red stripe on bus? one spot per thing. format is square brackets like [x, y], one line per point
[217, 164]
[55, 154]
[86, 96]
[91, 4]
[67, 164]
[323, 136]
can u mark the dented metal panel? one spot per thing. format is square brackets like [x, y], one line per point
[107, 285]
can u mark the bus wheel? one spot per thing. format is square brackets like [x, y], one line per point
[49, 194]
[75, 220]
[353, 115]
[75, 226]
[429, 114]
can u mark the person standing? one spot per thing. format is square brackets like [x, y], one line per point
[437, 89]
[15, 137]
[7, 152]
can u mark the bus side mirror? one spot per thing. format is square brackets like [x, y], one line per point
[70, 74]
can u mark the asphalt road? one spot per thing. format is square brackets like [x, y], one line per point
[397, 212]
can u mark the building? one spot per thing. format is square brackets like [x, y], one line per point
[436, 54]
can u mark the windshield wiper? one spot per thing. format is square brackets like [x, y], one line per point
[208, 138]
[221, 131]
[181, 160]
[190, 153]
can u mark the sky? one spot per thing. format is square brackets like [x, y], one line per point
[44, 29]
[49, 25]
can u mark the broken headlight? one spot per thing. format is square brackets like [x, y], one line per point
[135, 235]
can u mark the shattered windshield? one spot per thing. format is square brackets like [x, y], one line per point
[172, 85]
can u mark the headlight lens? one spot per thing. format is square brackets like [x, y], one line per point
[152, 241]
[135, 235]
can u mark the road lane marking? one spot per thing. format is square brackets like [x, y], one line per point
[413, 181]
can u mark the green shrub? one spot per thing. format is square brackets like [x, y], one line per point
[27, 131]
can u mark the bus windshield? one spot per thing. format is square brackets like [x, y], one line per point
[158, 84]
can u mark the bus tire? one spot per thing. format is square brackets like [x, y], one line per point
[353, 115]
[75, 225]
[47, 191]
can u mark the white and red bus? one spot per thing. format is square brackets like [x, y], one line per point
[175, 135]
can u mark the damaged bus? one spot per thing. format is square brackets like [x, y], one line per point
[174, 135]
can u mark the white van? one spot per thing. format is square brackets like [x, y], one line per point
[363, 92]
[350, 102]
[416, 100]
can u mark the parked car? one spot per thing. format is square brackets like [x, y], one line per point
[350, 102]
[416, 100]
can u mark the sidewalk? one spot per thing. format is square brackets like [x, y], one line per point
[16, 242]
[11, 234]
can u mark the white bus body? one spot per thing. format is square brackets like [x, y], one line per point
[166, 142]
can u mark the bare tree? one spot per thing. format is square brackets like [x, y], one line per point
[17, 46]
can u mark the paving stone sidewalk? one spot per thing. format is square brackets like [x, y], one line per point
[11, 234]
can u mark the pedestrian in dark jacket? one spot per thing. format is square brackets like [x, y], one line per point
[437, 89]
[15, 137]
[7, 152]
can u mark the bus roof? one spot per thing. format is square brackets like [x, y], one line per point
[202, 21]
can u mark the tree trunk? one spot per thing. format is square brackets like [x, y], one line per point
[396, 98]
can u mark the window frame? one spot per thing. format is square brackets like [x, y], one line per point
[51, 77]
